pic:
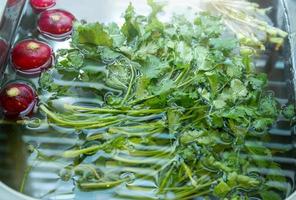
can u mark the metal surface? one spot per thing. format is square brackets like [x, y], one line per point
[7, 193]
[279, 66]
[9, 21]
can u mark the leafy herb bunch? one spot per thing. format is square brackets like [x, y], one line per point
[180, 93]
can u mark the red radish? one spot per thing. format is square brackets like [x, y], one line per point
[56, 23]
[18, 100]
[31, 56]
[40, 5]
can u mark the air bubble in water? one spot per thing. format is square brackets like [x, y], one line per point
[34, 123]
[129, 176]
[65, 174]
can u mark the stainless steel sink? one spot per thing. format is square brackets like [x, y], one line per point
[16, 19]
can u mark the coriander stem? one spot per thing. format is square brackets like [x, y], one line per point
[135, 102]
[52, 115]
[189, 174]
[80, 124]
[102, 185]
[166, 178]
[183, 197]
[185, 83]
[114, 111]
[89, 167]
[76, 153]
[152, 160]
[25, 177]
[130, 85]
[178, 79]
[100, 125]
[132, 134]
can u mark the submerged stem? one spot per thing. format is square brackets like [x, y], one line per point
[76, 153]
[130, 85]
[102, 185]
[114, 111]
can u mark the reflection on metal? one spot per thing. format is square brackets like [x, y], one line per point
[9, 21]
[7, 193]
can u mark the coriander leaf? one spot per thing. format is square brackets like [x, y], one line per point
[289, 112]
[130, 28]
[156, 8]
[259, 81]
[219, 104]
[213, 79]
[46, 81]
[200, 56]
[184, 55]
[190, 136]
[209, 25]
[234, 67]
[184, 99]
[222, 189]
[146, 50]
[107, 55]
[263, 123]
[270, 195]
[173, 120]
[268, 106]
[115, 33]
[236, 180]
[141, 89]
[92, 33]
[238, 89]
[118, 74]
[71, 60]
[224, 44]
[153, 67]
[163, 87]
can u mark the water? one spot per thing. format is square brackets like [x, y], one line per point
[138, 164]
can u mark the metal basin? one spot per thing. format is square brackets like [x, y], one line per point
[18, 21]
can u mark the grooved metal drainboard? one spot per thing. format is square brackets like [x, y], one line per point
[44, 178]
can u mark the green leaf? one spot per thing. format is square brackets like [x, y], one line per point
[200, 56]
[107, 55]
[173, 120]
[190, 136]
[268, 106]
[289, 112]
[236, 180]
[238, 89]
[224, 44]
[214, 82]
[184, 55]
[219, 104]
[258, 82]
[222, 189]
[141, 88]
[118, 74]
[46, 81]
[115, 33]
[146, 50]
[263, 123]
[270, 195]
[70, 60]
[154, 67]
[92, 33]
[130, 28]
[163, 87]
[156, 8]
